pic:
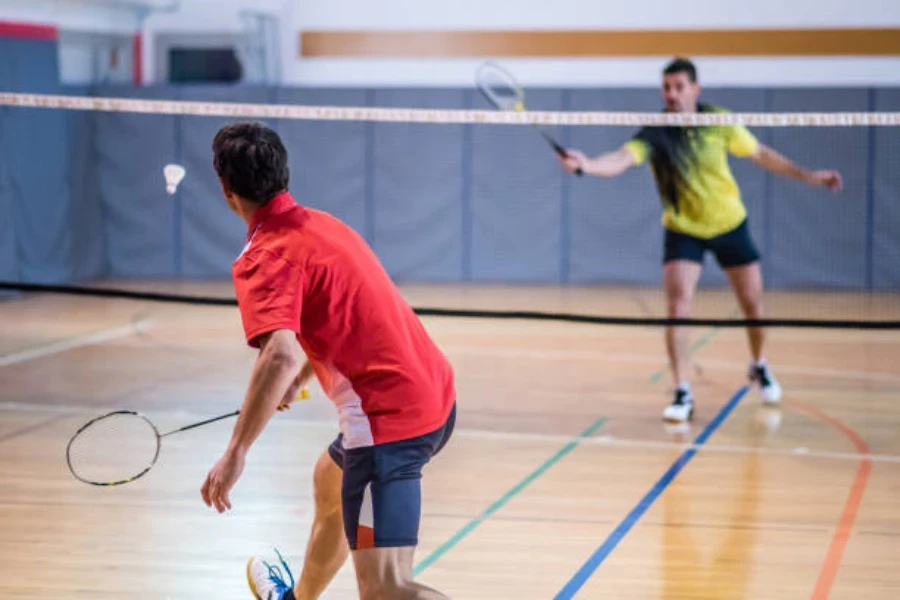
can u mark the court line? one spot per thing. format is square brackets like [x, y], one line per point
[604, 440]
[662, 524]
[587, 569]
[431, 558]
[699, 343]
[28, 429]
[587, 355]
[515, 490]
[104, 335]
[505, 498]
[501, 436]
[844, 528]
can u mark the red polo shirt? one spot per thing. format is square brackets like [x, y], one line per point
[308, 272]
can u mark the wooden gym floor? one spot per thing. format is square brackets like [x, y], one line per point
[561, 479]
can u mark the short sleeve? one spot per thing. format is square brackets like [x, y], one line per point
[741, 142]
[269, 291]
[639, 147]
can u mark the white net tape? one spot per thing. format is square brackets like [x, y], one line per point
[439, 116]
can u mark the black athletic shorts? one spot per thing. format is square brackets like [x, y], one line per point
[731, 249]
[381, 493]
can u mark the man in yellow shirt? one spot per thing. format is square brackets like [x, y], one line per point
[702, 210]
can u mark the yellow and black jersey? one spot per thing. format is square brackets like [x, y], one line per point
[690, 164]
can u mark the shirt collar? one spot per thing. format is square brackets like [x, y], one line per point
[281, 203]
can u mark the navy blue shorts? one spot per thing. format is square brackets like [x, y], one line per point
[381, 492]
[734, 248]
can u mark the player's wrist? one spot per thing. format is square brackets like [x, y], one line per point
[237, 449]
[589, 165]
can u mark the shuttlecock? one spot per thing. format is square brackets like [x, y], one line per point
[173, 174]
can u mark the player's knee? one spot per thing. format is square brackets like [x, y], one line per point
[408, 590]
[679, 305]
[386, 573]
[377, 590]
[751, 302]
[379, 583]
[391, 588]
[752, 306]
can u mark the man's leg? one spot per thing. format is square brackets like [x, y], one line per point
[327, 548]
[383, 504]
[748, 287]
[682, 265]
[680, 278]
[738, 256]
[386, 574]
[326, 551]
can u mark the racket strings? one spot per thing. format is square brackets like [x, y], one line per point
[113, 449]
[499, 87]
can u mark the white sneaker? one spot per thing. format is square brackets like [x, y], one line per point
[267, 581]
[682, 407]
[769, 388]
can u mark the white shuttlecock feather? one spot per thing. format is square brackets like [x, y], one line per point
[173, 174]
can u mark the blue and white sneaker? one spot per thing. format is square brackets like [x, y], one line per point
[267, 581]
[769, 389]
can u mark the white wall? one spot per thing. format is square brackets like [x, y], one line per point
[88, 31]
[594, 14]
[124, 17]
[207, 17]
[98, 17]
[89, 57]
[591, 14]
[636, 72]
[218, 16]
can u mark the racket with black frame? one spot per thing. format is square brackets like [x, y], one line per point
[119, 447]
[502, 90]
[123, 445]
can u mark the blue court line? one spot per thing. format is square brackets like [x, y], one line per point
[505, 498]
[585, 572]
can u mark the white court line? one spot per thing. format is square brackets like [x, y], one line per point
[507, 436]
[605, 440]
[104, 335]
[509, 352]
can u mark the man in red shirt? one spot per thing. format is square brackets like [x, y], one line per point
[308, 284]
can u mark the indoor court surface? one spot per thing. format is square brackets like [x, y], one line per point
[561, 479]
[556, 188]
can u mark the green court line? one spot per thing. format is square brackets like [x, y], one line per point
[469, 527]
[699, 343]
[509, 495]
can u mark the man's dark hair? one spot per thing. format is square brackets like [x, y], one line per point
[251, 160]
[682, 65]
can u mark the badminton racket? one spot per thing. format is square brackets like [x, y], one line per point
[502, 90]
[122, 446]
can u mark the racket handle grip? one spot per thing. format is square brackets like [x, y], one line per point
[563, 154]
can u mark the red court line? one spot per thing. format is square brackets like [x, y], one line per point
[851, 506]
